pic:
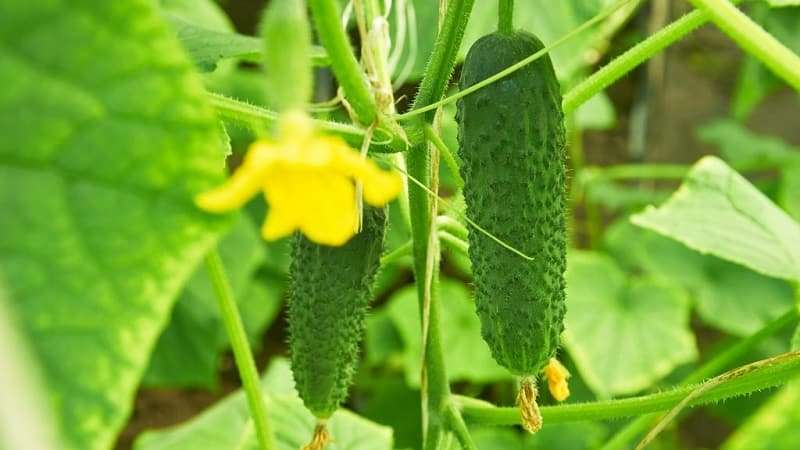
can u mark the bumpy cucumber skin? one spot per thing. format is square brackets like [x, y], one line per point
[330, 292]
[511, 137]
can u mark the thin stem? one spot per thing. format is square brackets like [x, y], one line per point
[505, 17]
[250, 115]
[420, 108]
[397, 254]
[241, 349]
[449, 159]
[327, 18]
[713, 366]
[455, 243]
[774, 372]
[634, 56]
[640, 171]
[751, 37]
[459, 428]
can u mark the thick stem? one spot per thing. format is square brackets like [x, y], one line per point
[754, 39]
[419, 163]
[713, 366]
[505, 17]
[241, 349]
[327, 18]
[634, 56]
[773, 372]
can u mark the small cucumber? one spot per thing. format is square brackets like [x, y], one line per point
[511, 136]
[330, 291]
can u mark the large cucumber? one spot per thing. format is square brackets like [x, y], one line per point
[511, 136]
[330, 292]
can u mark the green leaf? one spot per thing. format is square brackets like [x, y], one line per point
[26, 420]
[718, 211]
[742, 148]
[207, 47]
[623, 333]
[728, 296]
[789, 190]
[572, 436]
[467, 356]
[224, 426]
[188, 352]
[776, 425]
[781, 3]
[597, 113]
[107, 138]
[204, 13]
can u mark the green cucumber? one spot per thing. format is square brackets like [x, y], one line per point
[511, 137]
[329, 295]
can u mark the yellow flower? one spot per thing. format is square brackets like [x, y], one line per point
[557, 376]
[308, 179]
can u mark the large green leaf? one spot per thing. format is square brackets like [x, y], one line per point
[776, 425]
[623, 333]
[718, 211]
[188, 351]
[227, 426]
[107, 137]
[742, 148]
[728, 296]
[467, 356]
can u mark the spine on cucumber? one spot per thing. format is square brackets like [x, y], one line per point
[330, 291]
[511, 136]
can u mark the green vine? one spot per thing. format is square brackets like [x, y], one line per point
[241, 349]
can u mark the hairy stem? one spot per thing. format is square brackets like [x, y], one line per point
[327, 18]
[754, 39]
[241, 349]
[713, 366]
[634, 56]
[772, 372]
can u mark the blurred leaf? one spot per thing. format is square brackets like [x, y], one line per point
[390, 402]
[107, 138]
[206, 47]
[597, 113]
[781, 3]
[728, 296]
[789, 191]
[204, 13]
[718, 211]
[572, 436]
[224, 426]
[467, 356]
[549, 21]
[795, 345]
[756, 81]
[188, 351]
[776, 425]
[742, 148]
[620, 197]
[415, 30]
[382, 340]
[623, 333]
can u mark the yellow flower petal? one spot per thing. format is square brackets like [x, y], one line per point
[380, 186]
[322, 205]
[557, 376]
[244, 183]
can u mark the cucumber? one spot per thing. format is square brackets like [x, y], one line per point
[511, 139]
[329, 295]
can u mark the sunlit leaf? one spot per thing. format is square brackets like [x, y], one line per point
[726, 295]
[623, 333]
[718, 211]
[107, 138]
[467, 356]
[226, 425]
